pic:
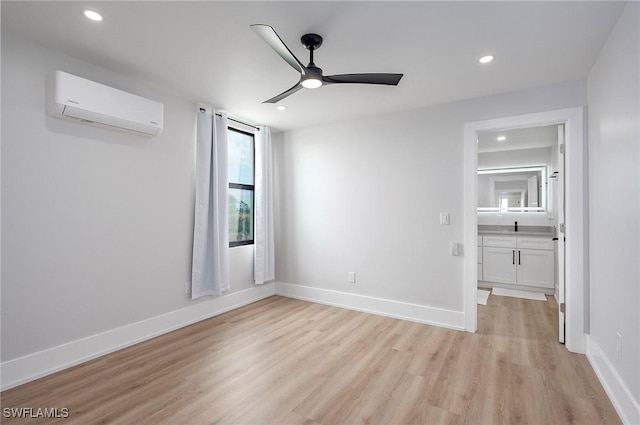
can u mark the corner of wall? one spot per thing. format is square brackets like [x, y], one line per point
[382, 307]
[619, 394]
[33, 366]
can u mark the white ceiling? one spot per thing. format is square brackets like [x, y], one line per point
[206, 51]
[520, 138]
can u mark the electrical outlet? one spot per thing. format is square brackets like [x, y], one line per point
[187, 288]
[619, 344]
[351, 278]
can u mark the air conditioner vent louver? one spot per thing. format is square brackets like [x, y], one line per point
[79, 99]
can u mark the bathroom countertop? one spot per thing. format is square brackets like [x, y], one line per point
[485, 229]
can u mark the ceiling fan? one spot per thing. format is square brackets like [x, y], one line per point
[311, 76]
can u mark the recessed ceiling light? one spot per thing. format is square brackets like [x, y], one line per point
[93, 15]
[485, 59]
[501, 138]
[281, 107]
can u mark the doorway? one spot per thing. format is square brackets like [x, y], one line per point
[572, 119]
[520, 209]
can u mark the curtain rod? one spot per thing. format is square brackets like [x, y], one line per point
[234, 120]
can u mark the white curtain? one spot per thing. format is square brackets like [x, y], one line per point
[264, 259]
[210, 265]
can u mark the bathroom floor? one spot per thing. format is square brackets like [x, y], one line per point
[512, 317]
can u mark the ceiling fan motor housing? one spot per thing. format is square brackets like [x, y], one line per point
[315, 70]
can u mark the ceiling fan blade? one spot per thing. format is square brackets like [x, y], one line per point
[385, 79]
[282, 95]
[269, 35]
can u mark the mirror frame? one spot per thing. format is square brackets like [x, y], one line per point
[543, 189]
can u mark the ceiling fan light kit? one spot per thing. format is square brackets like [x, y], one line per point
[311, 82]
[311, 76]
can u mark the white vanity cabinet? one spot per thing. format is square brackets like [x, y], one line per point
[518, 260]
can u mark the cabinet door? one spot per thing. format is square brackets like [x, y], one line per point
[498, 264]
[535, 267]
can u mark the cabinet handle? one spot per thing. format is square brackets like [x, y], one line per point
[513, 257]
[518, 257]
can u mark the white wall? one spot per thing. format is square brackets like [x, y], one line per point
[365, 196]
[97, 225]
[614, 192]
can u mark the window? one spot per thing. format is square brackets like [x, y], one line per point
[241, 187]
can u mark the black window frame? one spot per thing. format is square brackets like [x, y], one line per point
[250, 187]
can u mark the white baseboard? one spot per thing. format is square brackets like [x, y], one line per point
[33, 366]
[397, 309]
[628, 409]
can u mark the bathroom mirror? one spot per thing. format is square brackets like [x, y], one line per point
[521, 189]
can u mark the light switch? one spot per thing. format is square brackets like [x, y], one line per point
[455, 249]
[444, 218]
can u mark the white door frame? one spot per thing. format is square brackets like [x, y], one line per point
[575, 214]
[560, 189]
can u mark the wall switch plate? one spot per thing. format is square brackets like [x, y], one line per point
[619, 344]
[455, 249]
[187, 288]
[444, 218]
[351, 278]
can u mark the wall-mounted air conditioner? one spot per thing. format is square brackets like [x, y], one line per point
[75, 98]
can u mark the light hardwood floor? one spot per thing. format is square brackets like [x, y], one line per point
[284, 361]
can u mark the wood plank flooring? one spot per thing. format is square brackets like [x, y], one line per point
[284, 361]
